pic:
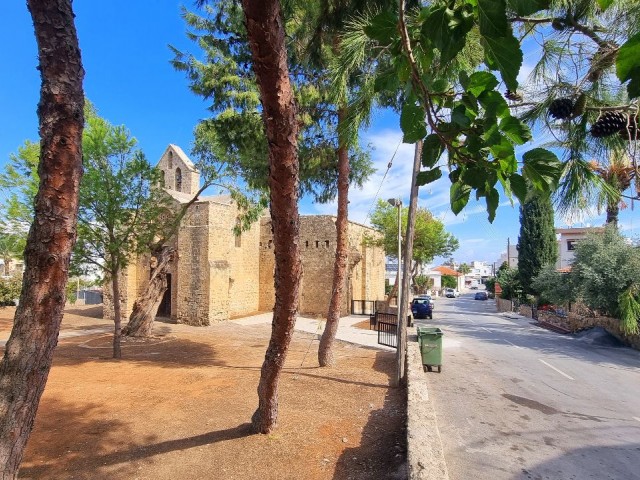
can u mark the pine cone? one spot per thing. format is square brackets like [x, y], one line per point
[608, 123]
[514, 96]
[561, 108]
[630, 131]
[558, 25]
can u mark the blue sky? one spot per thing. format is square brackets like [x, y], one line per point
[130, 81]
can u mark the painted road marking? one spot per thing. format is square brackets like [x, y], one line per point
[636, 418]
[554, 368]
[517, 346]
[486, 329]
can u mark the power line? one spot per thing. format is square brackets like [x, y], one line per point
[382, 181]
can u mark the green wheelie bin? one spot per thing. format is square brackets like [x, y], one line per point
[430, 340]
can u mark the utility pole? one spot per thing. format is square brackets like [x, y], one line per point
[508, 252]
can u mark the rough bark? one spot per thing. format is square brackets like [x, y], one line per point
[325, 350]
[613, 210]
[117, 313]
[265, 31]
[29, 350]
[146, 305]
[407, 257]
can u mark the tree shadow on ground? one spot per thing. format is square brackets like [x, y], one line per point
[78, 442]
[619, 462]
[87, 311]
[168, 352]
[382, 451]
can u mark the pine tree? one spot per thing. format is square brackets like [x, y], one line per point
[537, 245]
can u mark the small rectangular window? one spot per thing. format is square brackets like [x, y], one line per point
[571, 244]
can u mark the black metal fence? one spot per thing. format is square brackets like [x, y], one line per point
[364, 307]
[387, 324]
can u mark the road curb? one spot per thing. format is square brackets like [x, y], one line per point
[425, 455]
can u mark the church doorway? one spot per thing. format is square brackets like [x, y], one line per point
[164, 310]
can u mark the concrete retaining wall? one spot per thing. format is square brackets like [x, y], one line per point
[425, 456]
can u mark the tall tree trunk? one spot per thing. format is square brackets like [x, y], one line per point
[613, 210]
[325, 350]
[407, 257]
[265, 31]
[146, 305]
[117, 313]
[29, 350]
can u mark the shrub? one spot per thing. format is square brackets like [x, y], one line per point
[10, 290]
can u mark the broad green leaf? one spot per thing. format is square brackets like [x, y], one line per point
[435, 27]
[383, 28]
[480, 82]
[527, 7]
[431, 150]
[463, 78]
[492, 135]
[412, 122]
[628, 65]
[429, 176]
[493, 200]
[502, 149]
[542, 168]
[492, 17]
[386, 81]
[459, 196]
[476, 176]
[518, 187]
[495, 106]
[515, 130]
[604, 4]
[459, 117]
[508, 165]
[504, 54]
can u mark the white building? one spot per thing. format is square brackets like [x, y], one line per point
[567, 239]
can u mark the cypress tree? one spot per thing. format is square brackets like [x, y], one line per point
[537, 245]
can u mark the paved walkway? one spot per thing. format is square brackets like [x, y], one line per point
[346, 330]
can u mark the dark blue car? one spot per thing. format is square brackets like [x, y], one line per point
[421, 308]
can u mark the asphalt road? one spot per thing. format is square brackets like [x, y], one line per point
[515, 401]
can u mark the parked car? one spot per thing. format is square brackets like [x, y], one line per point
[451, 293]
[429, 297]
[473, 287]
[481, 296]
[421, 308]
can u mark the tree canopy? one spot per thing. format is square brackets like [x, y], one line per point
[430, 241]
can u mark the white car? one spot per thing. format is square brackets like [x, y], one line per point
[451, 293]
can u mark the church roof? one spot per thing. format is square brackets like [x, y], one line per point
[183, 156]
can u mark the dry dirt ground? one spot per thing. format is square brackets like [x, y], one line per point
[178, 407]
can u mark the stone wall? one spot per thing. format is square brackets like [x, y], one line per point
[244, 280]
[576, 321]
[192, 302]
[366, 268]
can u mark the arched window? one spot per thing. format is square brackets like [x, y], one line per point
[170, 159]
[162, 178]
[178, 179]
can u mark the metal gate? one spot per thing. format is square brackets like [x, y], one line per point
[387, 329]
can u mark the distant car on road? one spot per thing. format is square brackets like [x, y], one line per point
[451, 293]
[421, 308]
[481, 296]
[473, 287]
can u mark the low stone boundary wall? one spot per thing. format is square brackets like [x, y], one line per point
[503, 305]
[425, 456]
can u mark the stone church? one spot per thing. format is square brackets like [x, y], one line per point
[218, 275]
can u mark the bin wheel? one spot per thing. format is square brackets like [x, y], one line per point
[429, 367]
[439, 368]
[424, 368]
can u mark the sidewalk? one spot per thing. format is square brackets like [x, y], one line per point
[346, 330]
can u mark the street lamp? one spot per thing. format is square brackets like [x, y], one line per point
[396, 202]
